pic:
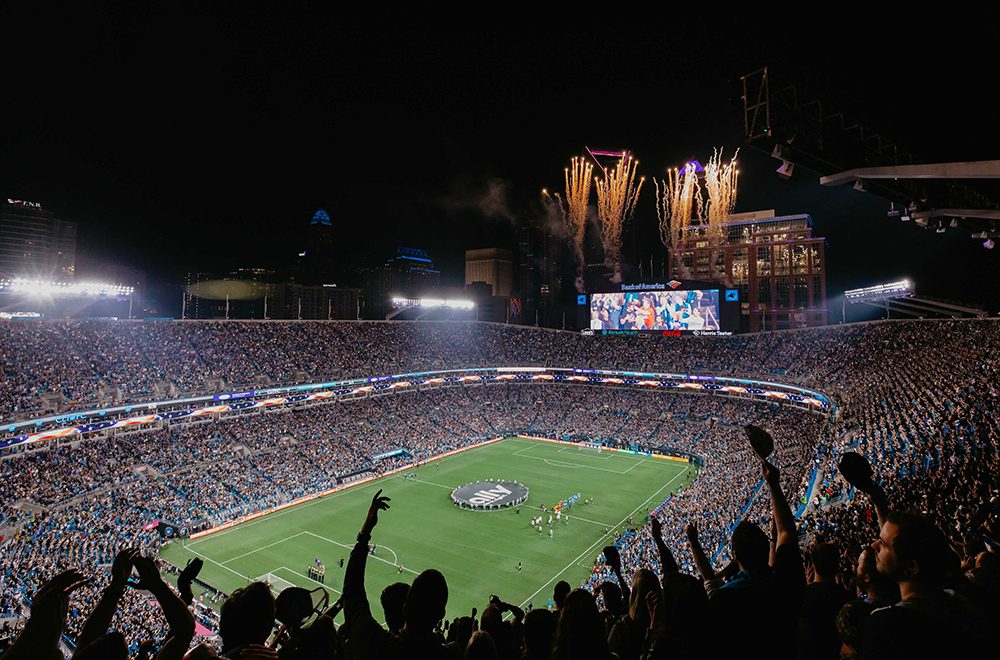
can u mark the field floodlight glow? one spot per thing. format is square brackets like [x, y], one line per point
[433, 303]
[900, 289]
[40, 288]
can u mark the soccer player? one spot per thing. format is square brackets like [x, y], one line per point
[518, 567]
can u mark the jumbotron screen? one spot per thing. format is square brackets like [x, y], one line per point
[685, 311]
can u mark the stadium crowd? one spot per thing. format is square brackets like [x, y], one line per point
[917, 399]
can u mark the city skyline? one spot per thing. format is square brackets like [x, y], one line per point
[209, 158]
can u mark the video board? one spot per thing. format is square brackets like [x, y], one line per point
[688, 311]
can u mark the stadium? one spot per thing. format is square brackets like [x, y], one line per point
[262, 484]
[329, 340]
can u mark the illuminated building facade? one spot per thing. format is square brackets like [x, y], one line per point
[776, 264]
[494, 266]
[410, 274]
[34, 243]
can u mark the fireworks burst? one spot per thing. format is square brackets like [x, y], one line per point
[574, 206]
[677, 203]
[720, 184]
[616, 199]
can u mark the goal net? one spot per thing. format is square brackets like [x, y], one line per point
[276, 583]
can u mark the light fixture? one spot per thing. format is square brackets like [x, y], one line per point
[860, 186]
[786, 170]
[954, 223]
[893, 211]
[988, 244]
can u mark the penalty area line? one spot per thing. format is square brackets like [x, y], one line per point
[595, 543]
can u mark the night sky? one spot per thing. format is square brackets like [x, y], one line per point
[205, 139]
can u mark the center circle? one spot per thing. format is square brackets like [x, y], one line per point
[490, 495]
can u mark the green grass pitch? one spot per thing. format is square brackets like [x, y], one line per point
[477, 551]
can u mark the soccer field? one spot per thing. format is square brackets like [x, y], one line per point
[477, 551]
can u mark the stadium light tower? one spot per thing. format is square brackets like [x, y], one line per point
[901, 297]
[42, 291]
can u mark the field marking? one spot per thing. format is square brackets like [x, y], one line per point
[431, 483]
[634, 466]
[276, 514]
[263, 547]
[306, 577]
[594, 544]
[580, 450]
[553, 463]
[348, 488]
[207, 558]
[381, 559]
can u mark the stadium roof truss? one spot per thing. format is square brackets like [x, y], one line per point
[796, 127]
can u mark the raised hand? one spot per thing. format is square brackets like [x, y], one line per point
[771, 472]
[149, 574]
[655, 611]
[379, 503]
[187, 576]
[121, 569]
[50, 604]
[691, 529]
[656, 527]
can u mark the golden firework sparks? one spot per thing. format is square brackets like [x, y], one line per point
[617, 195]
[575, 205]
[678, 202]
[720, 184]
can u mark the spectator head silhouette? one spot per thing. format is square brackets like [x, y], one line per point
[393, 599]
[539, 633]
[825, 560]
[559, 593]
[750, 546]
[247, 616]
[612, 595]
[581, 632]
[877, 587]
[425, 601]
[644, 582]
[106, 647]
[910, 548]
[480, 647]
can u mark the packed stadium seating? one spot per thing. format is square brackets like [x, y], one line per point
[919, 399]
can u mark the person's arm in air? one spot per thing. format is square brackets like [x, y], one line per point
[99, 621]
[615, 562]
[700, 558]
[784, 521]
[178, 616]
[367, 638]
[879, 500]
[668, 564]
[40, 638]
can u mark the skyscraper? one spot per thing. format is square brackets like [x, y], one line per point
[410, 274]
[492, 266]
[34, 243]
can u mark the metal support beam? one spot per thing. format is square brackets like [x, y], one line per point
[983, 214]
[983, 169]
[893, 309]
[960, 308]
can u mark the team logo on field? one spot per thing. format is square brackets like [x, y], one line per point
[493, 494]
